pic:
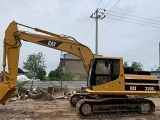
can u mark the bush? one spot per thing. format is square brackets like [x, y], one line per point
[46, 79]
[68, 76]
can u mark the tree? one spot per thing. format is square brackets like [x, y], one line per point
[68, 76]
[41, 73]
[137, 66]
[125, 64]
[35, 63]
[57, 75]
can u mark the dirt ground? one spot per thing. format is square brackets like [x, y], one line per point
[58, 109]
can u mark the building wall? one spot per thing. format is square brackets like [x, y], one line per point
[73, 64]
[70, 56]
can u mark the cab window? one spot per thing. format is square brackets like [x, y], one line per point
[103, 67]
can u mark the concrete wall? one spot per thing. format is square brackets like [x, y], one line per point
[70, 85]
[69, 56]
[73, 64]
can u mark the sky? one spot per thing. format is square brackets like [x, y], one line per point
[129, 30]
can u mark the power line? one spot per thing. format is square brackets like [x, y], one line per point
[99, 14]
[150, 60]
[148, 56]
[92, 23]
[134, 19]
[113, 7]
[141, 22]
[99, 3]
[89, 30]
[133, 22]
[154, 61]
[134, 16]
[107, 4]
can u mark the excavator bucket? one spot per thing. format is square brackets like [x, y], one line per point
[5, 93]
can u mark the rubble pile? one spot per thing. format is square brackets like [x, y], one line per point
[38, 93]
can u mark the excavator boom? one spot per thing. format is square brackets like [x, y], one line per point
[12, 44]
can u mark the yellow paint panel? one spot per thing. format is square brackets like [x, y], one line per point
[142, 77]
[4, 89]
[122, 92]
[150, 77]
[103, 87]
[151, 84]
[5, 93]
[118, 85]
[158, 92]
[130, 76]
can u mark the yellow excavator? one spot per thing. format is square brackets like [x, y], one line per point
[109, 83]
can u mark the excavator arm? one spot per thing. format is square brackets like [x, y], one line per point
[12, 44]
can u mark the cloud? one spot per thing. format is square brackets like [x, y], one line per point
[72, 17]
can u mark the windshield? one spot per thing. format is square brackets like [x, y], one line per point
[102, 71]
[103, 67]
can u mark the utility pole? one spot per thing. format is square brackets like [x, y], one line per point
[98, 14]
[159, 55]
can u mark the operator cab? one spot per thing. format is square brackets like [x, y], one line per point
[103, 70]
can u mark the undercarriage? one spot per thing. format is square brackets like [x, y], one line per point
[90, 106]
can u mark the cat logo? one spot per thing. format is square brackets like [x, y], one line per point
[133, 87]
[51, 43]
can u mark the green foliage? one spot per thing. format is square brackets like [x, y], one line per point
[21, 84]
[41, 73]
[137, 66]
[57, 75]
[68, 76]
[125, 64]
[46, 79]
[35, 63]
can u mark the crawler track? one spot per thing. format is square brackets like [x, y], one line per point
[76, 97]
[111, 107]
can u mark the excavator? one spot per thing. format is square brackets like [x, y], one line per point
[110, 86]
